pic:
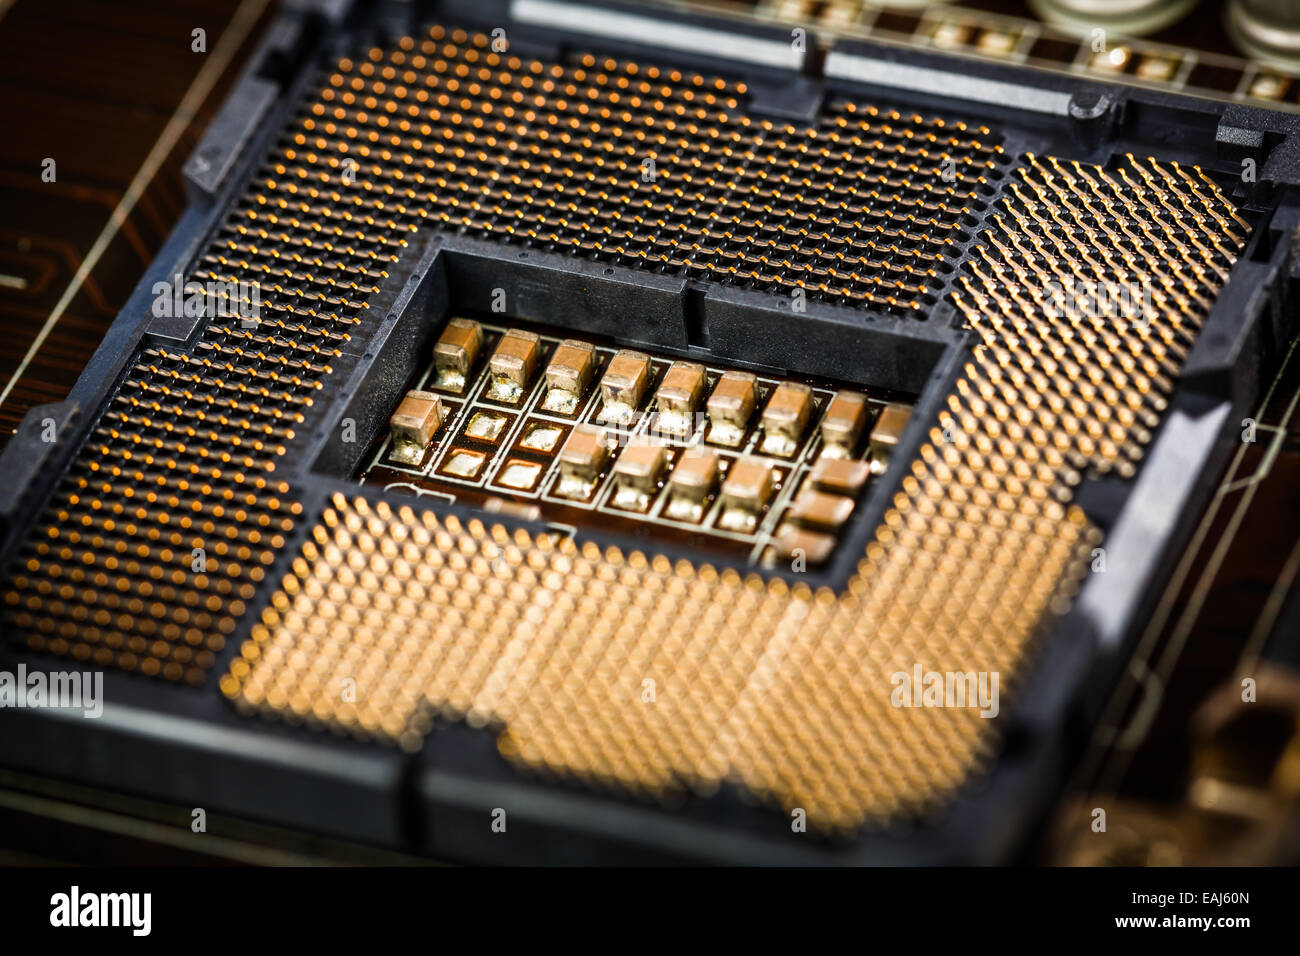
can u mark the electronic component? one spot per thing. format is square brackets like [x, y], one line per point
[638, 470]
[656, 475]
[455, 352]
[1267, 29]
[691, 484]
[622, 386]
[785, 417]
[811, 547]
[581, 460]
[818, 509]
[887, 432]
[513, 364]
[503, 506]
[839, 476]
[678, 398]
[745, 493]
[1131, 18]
[568, 375]
[730, 407]
[655, 466]
[843, 423]
[413, 424]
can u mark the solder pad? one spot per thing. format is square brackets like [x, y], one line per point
[553, 641]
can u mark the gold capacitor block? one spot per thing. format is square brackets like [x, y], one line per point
[413, 425]
[842, 425]
[785, 418]
[512, 364]
[678, 398]
[691, 484]
[623, 385]
[581, 461]
[887, 432]
[455, 352]
[514, 509]
[794, 543]
[746, 491]
[567, 376]
[820, 510]
[730, 407]
[638, 471]
[839, 476]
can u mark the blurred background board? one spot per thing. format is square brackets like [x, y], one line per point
[116, 96]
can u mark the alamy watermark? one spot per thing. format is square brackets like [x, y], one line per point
[922, 688]
[1117, 302]
[175, 298]
[1121, 304]
[76, 909]
[55, 690]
